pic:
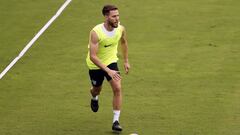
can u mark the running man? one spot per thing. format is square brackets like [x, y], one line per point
[102, 60]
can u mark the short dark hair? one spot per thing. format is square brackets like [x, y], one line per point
[107, 8]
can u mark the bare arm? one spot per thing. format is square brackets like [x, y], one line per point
[124, 45]
[93, 42]
[93, 49]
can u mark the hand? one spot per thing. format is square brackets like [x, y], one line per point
[114, 75]
[126, 67]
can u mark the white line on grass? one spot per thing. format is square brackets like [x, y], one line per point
[35, 38]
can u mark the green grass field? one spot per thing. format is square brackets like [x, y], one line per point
[184, 80]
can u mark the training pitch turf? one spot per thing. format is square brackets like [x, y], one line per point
[185, 76]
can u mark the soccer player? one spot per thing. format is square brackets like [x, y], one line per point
[102, 60]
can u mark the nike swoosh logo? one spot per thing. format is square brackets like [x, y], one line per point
[107, 45]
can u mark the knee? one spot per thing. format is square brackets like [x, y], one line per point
[117, 90]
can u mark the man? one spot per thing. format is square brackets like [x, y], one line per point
[102, 59]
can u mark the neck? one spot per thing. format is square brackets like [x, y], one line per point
[108, 27]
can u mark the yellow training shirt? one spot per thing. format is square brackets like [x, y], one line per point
[107, 45]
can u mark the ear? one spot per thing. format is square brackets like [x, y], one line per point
[106, 16]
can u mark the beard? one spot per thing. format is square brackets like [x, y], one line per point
[112, 24]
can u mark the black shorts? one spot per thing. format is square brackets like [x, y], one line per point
[97, 75]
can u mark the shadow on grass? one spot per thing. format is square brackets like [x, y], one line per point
[113, 133]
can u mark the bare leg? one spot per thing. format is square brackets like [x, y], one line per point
[117, 94]
[95, 90]
[117, 102]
